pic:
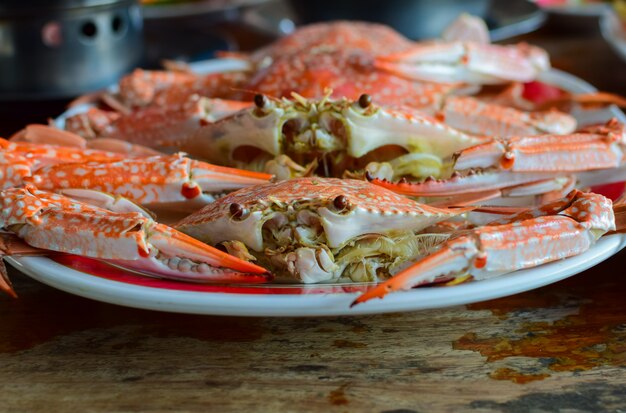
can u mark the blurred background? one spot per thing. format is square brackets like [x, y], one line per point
[52, 51]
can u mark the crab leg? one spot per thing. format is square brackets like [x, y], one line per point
[18, 160]
[154, 180]
[159, 179]
[33, 139]
[54, 222]
[106, 201]
[501, 164]
[530, 238]
[467, 62]
[475, 116]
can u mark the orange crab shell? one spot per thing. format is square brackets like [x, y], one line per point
[47, 216]
[335, 35]
[348, 73]
[348, 208]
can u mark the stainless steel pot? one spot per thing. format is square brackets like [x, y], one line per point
[56, 49]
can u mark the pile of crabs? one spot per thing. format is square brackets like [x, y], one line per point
[341, 153]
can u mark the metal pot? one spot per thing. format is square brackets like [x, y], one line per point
[56, 49]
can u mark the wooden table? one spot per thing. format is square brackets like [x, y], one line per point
[559, 348]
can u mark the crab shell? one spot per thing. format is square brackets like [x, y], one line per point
[325, 126]
[335, 35]
[347, 208]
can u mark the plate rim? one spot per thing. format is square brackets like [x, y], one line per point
[90, 286]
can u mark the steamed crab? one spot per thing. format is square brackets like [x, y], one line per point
[529, 165]
[106, 225]
[216, 129]
[322, 230]
[382, 120]
[554, 231]
[409, 152]
[315, 230]
[132, 239]
[338, 135]
[159, 180]
[349, 57]
[345, 135]
[345, 60]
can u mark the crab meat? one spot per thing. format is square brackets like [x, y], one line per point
[319, 230]
[338, 134]
[55, 222]
[555, 231]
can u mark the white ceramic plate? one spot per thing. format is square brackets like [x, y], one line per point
[277, 300]
[96, 280]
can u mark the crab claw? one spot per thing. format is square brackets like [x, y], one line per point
[55, 222]
[455, 257]
[554, 231]
[475, 116]
[172, 179]
[213, 178]
[500, 164]
[467, 62]
[172, 254]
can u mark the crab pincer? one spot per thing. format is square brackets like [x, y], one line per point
[467, 62]
[529, 164]
[167, 179]
[132, 240]
[530, 238]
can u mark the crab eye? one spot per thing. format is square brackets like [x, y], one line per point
[341, 203]
[238, 212]
[260, 101]
[365, 100]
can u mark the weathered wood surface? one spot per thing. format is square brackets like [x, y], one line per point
[561, 348]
